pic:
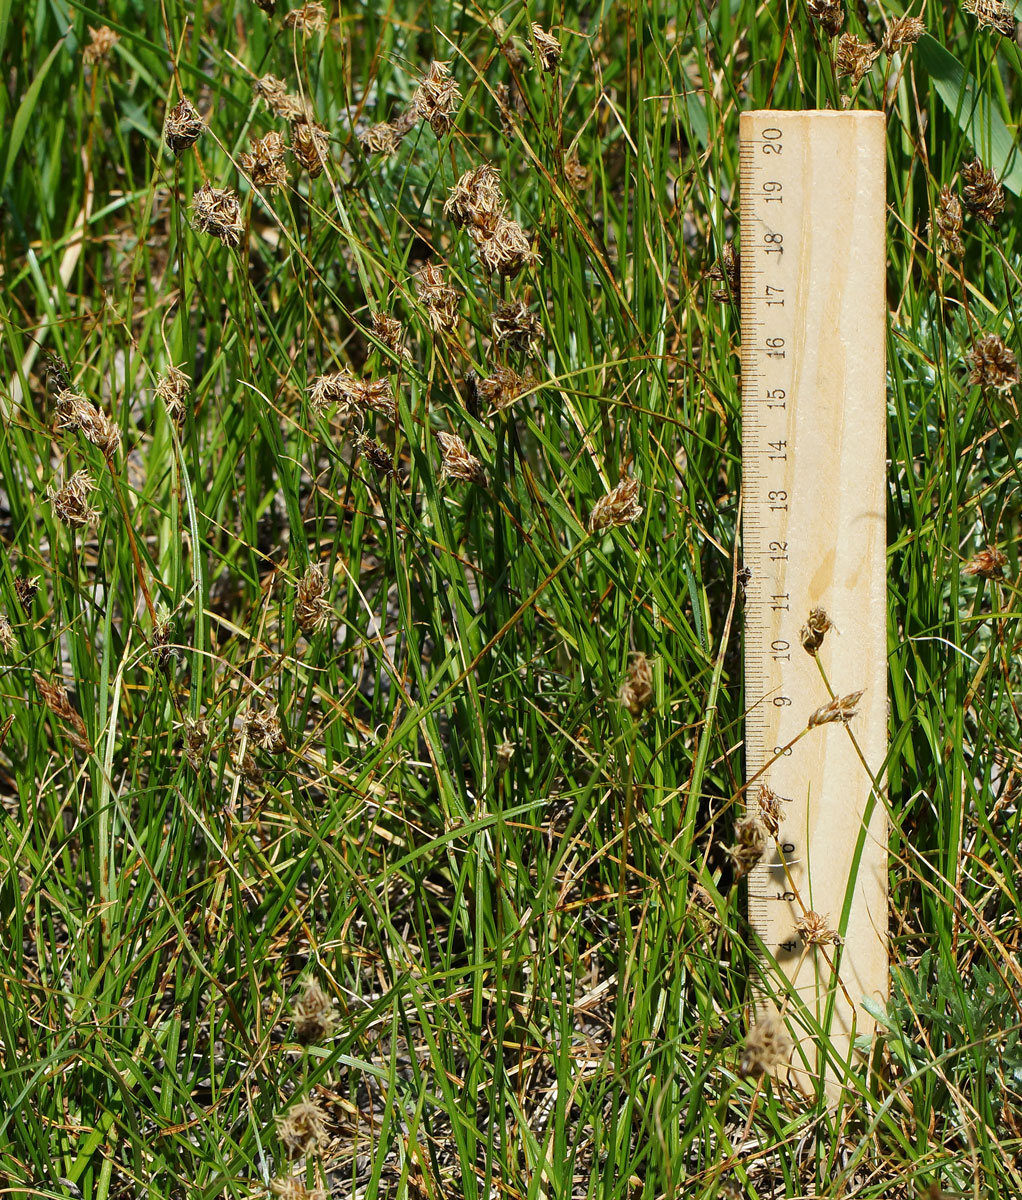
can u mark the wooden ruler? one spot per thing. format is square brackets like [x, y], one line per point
[813, 272]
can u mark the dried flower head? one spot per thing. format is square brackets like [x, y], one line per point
[814, 630]
[988, 564]
[548, 48]
[183, 127]
[750, 843]
[947, 222]
[376, 454]
[812, 928]
[313, 1014]
[382, 138]
[475, 200]
[312, 609]
[636, 693]
[336, 387]
[993, 364]
[303, 1128]
[310, 144]
[71, 502]
[7, 639]
[55, 372]
[390, 332]
[439, 300]
[265, 164]
[268, 6]
[770, 811]
[196, 742]
[503, 387]
[841, 708]
[75, 412]
[728, 273]
[101, 42]
[854, 58]
[216, 211]
[54, 696]
[173, 389]
[992, 14]
[767, 1047]
[437, 98]
[159, 643]
[25, 588]
[458, 463]
[905, 31]
[505, 753]
[280, 101]
[264, 730]
[515, 327]
[619, 507]
[506, 249]
[288, 1187]
[579, 177]
[828, 13]
[306, 19]
[982, 195]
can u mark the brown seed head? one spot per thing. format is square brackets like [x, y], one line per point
[828, 13]
[506, 249]
[854, 58]
[25, 588]
[376, 454]
[993, 364]
[548, 48]
[101, 42]
[728, 273]
[475, 200]
[439, 300]
[767, 1047]
[770, 811]
[619, 507]
[71, 502]
[812, 928]
[313, 1014]
[503, 387]
[173, 389]
[7, 639]
[303, 1128]
[268, 6]
[183, 127]
[312, 609]
[280, 101]
[390, 332]
[988, 564]
[290, 1188]
[159, 643]
[264, 730]
[505, 753]
[842, 709]
[515, 327]
[382, 138]
[337, 387]
[458, 463]
[636, 693]
[310, 144]
[75, 412]
[982, 195]
[216, 211]
[196, 742]
[750, 843]
[437, 98]
[56, 373]
[905, 31]
[306, 19]
[579, 177]
[54, 696]
[814, 630]
[992, 14]
[947, 222]
[265, 164]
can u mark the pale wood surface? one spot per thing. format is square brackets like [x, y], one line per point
[831, 219]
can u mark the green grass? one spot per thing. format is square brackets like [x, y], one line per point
[539, 964]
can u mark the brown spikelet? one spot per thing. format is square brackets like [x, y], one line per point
[905, 31]
[579, 177]
[312, 609]
[216, 211]
[988, 564]
[54, 696]
[56, 373]
[391, 333]
[458, 463]
[767, 1047]
[770, 811]
[7, 638]
[619, 507]
[750, 843]
[101, 42]
[728, 273]
[289, 1187]
[812, 633]
[183, 127]
[268, 6]
[854, 58]
[303, 1128]
[264, 164]
[196, 732]
[306, 19]
[636, 693]
[437, 98]
[505, 249]
[173, 389]
[993, 364]
[812, 928]
[376, 454]
[25, 588]
[280, 101]
[503, 387]
[71, 502]
[265, 731]
[828, 13]
[313, 1014]
[75, 412]
[515, 327]
[548, 48]
[440, 301]
[982, 195]
[475, 200]
[382, 138]
[310, 144]
[841, 708]
[159, 643]
[992, 14]
[947, 222]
